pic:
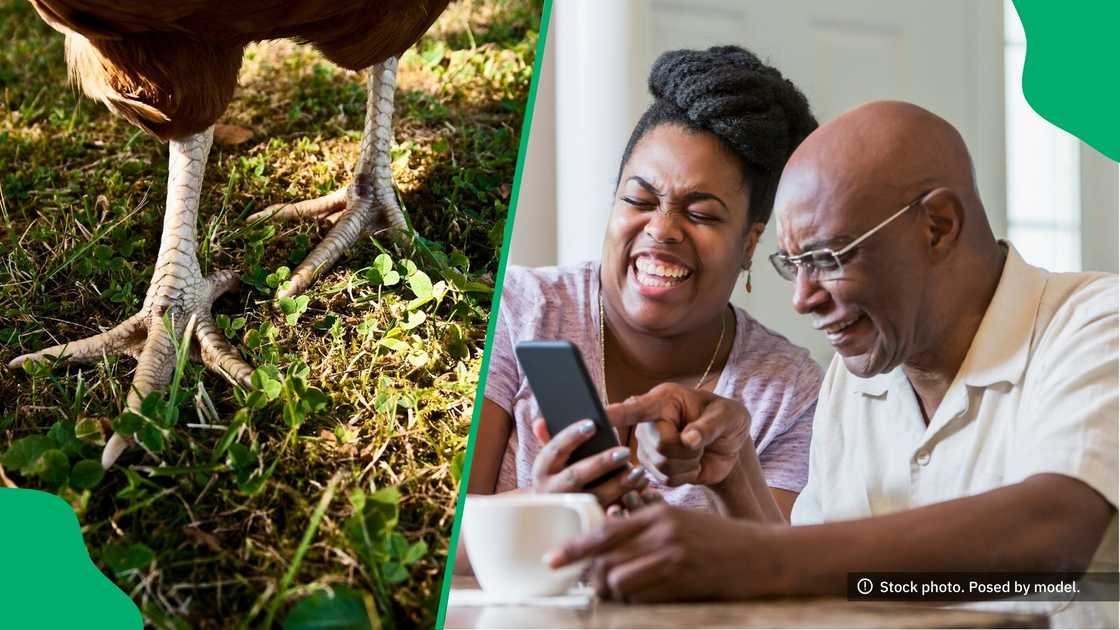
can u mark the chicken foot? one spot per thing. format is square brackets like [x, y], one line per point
[178, 291]
[368, 205]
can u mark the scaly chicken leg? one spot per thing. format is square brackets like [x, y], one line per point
[178, 290]
[368, 205]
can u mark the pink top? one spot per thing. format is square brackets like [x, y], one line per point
[776, 380]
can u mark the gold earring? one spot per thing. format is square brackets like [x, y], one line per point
[748, 279]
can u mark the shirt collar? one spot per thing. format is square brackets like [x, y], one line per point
[876, 385]
[1001, 345]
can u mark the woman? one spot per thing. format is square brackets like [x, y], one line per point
[695, 189]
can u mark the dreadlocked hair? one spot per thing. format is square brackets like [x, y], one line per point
[757, 114]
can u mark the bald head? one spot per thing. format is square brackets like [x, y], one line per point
[895, 295]
[877, 154]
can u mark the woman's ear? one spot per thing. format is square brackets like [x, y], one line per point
[750, 242]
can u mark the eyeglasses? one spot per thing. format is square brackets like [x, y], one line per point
[826, 263]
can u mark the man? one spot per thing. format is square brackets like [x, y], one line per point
[968, 421]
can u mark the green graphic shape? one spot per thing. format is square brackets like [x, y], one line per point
[47, 579]
[1070, 74]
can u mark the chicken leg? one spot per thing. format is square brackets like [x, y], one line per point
[178, 290]
[368, 205]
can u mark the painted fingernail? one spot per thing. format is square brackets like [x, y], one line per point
[620, 455]
[635, 474]
[587, 426]
[632, 500]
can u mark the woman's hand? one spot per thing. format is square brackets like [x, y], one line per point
[634, 501]
[686, 435]
[551, 475]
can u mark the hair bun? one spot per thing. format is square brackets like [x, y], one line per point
[729, 91]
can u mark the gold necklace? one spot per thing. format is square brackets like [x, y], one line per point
[603, 349]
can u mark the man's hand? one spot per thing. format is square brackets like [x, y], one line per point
[686, 435]
[662, 553]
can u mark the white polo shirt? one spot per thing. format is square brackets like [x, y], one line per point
[1036, 393]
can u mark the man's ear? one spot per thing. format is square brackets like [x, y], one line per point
[946, 218]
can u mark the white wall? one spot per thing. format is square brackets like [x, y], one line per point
[946, 55]
[534, 228]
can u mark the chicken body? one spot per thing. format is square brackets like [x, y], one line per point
[170, 68]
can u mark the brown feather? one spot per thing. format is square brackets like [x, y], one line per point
[170, 68]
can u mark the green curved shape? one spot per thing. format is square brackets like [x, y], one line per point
[1070, 76]
[47, 579]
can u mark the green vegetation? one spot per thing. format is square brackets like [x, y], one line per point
[324, 494]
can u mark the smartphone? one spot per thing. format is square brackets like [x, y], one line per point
[566, 394]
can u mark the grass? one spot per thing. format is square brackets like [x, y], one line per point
[326, 491]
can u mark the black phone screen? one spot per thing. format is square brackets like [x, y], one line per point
[565, 392]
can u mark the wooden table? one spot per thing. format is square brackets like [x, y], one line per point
[815, 612]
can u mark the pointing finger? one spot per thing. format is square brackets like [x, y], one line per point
[667, 401]
[721, 419]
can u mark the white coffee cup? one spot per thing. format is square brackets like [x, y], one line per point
[507, 536]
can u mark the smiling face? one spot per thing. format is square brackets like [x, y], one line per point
[872, 311]
[678, 233]
[912, 293]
